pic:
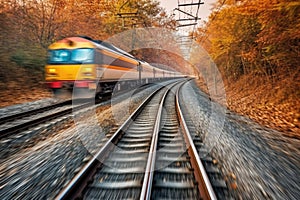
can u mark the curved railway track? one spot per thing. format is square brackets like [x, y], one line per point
[151, 156]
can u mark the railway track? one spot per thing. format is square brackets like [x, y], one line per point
[21, 115]
[151, 156]
[15, 123]
[19, 122]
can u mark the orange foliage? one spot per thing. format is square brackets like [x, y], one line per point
[254, 36]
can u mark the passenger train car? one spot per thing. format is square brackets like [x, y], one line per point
[91, 67]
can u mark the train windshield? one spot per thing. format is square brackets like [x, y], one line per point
[82, 55]
[71, 56]
[61, 55]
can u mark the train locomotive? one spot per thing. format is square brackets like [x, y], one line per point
[90, 68]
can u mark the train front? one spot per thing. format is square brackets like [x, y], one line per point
[71, 68]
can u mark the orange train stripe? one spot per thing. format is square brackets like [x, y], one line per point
[118, 56]
[117, 67]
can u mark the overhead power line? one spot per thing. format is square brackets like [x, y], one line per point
[191, 4]
[188, 16]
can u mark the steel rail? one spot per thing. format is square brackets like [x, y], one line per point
[31, 112]
[148, 177]
[20, 115]
[23, 126]
[79, 183]
[206, 192]
[75, 187]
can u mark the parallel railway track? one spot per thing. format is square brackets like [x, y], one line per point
[20, 115]
[151, 156]
[15, 123]
[12, 124]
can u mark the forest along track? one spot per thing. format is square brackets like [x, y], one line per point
[147, 158]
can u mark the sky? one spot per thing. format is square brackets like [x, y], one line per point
[204, 10]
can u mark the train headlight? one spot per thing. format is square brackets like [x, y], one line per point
[87, 69]
[51, 70]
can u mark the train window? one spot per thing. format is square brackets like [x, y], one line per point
[61, 55]
[71, 56]
[82, 55]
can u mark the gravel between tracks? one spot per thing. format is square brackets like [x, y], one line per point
[40, 171]
[259, 163]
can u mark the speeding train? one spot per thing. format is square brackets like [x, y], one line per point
[92, 68]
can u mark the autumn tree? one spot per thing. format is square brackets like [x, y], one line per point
[128, 14]
[279, 37]
[29, 26]
[253, 36]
